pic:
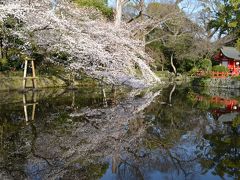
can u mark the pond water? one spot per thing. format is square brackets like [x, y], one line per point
[116, 133]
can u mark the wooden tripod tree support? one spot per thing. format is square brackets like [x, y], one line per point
[33, 77]
[26, 104]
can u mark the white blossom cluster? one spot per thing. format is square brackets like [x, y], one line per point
[96, 46]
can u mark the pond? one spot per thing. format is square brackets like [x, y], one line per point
[116, 133]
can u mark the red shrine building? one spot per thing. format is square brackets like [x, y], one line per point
[229, 57]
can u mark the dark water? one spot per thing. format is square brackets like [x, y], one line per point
[114, 133]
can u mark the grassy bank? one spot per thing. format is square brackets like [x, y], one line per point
[14, 80]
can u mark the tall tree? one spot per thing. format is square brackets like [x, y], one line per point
[227, 19]
[138, 5]
[173, 33]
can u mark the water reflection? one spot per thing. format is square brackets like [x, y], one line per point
[114, 133]
[222, 109]
[29, 104]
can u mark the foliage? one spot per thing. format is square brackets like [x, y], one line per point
[238, 44]
[9, 44]
[236, 121]
[236, 78]
[50, 69]
[60, 57]
[13, 49]
[99, 4]
[175, 37]
[206, 65]
[163, 73]
[223, 154]
[227, 18]
[155, 50]
[12, 22]
[186, 65]
[219, 68]
[193, 71]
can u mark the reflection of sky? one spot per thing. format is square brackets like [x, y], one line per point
[187, 150]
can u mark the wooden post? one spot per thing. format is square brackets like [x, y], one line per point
[33, 103]
[104, 98]
[34, 82]
[25, 74]
[34, 98]
[32, 77]
[25, 107]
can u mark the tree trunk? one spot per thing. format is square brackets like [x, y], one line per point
[170, 95]
[172, 64]
[141, 3]
[118, 17]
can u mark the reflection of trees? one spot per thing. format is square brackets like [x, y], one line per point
[223, 155]
[14, 151]
[170, 122]
[139, 133]
[19, 142]
[159, 145]
[163, 147]
[60, 144]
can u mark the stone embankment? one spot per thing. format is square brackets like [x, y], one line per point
[228, 83]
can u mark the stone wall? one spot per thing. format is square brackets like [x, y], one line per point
[227, 83]
[224, 83]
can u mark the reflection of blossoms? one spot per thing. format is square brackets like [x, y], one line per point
[98, 48]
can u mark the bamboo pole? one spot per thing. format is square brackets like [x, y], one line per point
[26, 104]
[32, 77]
[34, 105]
[34, 83]
[25, 74]
[25, 107]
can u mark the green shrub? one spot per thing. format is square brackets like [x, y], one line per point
[186, 65]
[12, 22]
[219, 68]
[193, 71]
[60, 56]
[99, 4]
[236, 77]
[3, 61]
[206, 65]
[48, 68]
[238, 44]
[162, 73]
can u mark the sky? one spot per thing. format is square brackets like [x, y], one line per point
[188, 6]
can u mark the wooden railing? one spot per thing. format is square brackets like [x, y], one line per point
[215, 74]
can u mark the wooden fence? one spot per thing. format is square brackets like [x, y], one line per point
[215, 74]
